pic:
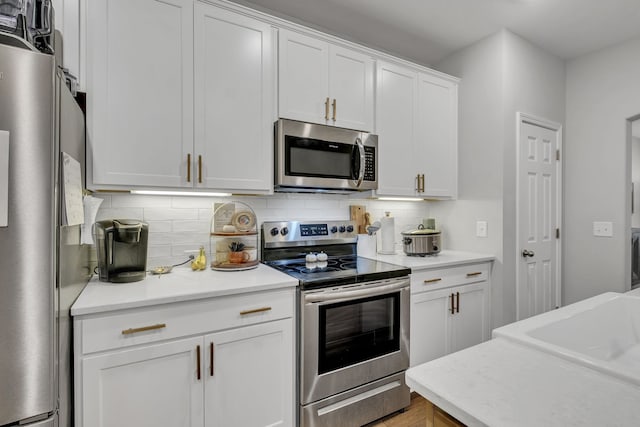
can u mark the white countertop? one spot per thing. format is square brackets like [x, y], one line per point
[502, 383]
[182, 284]
[445, 258]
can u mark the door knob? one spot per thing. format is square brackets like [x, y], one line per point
[526, 253]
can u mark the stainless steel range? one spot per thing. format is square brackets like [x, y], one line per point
[353, 323]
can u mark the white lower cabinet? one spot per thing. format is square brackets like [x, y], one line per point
[226, 361]
[449, 311]
[250, 384]
[154, 385]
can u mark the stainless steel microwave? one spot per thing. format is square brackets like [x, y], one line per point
[311, 157]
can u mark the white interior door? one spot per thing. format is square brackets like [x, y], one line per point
[538, 195]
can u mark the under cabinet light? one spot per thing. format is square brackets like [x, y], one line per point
[179, 193]
[402, 199]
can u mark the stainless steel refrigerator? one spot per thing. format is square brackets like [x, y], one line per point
[43, 266]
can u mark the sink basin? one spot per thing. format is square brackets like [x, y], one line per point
[602, 332]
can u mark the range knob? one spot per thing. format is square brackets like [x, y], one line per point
[274, 231]
[342, 228]
[349, 228]
[284, 231]
[334, 229]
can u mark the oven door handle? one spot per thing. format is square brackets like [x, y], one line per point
[342, 295]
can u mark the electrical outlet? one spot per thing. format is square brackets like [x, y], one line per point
[481, 229]
[603, 228]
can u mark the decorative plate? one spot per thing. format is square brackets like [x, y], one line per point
[243, 220]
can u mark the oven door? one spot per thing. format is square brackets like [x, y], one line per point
[352, 335]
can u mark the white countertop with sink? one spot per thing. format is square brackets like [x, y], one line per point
[182, 284]
[575, 366]
[445, 258]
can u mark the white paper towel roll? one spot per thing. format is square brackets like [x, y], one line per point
[387, 234]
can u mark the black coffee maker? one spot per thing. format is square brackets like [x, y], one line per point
[121, 246]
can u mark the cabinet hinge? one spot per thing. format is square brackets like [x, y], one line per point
[557, 233]
[558, 155]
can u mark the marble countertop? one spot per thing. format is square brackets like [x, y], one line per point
[502, 383]
[445, 258]
[182, 284]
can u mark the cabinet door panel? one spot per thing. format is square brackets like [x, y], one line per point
[469, 321]
[351, 87]
[234, 66]
[396, 99]
[139, 91]
[303, 77]
[252, 382]
[149, 386]
[429, 335]
[436, 142]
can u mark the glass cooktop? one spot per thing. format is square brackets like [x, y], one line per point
[338, 270]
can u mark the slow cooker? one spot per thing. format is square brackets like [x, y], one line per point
[421, 242]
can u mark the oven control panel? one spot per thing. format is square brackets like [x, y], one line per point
[302, 233]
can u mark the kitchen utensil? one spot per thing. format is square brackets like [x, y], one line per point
[372, 228]
[357, 214]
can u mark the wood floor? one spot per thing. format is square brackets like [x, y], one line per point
[413, 416]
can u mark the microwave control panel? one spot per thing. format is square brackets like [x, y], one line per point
[369, 165]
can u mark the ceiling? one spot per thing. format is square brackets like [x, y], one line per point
[426, 31]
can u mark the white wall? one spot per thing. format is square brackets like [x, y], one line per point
[182, 223]
[501, 75]
[480, 146]
[635, 179]
[602, 93]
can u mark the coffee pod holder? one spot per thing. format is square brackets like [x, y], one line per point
[234, 237]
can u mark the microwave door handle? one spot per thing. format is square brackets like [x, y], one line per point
[362, 161]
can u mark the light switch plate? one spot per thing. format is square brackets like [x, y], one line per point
[481, 229]
[603, 228]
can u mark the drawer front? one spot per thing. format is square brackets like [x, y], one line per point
[429, 280]
[168, 321]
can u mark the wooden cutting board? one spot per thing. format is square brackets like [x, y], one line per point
[356, 213]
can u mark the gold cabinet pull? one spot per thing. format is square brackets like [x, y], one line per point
[475, 273]
[422, 183]
[199, 169]
[432, 280]
[189, 167]
[418, 183]
[326, 109]
[457, 302]
[451, 301]
[198, 362]
[255, 310]
[211, 359]
[143, 329]
[335, 106]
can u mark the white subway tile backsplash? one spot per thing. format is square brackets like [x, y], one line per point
[160, 226]
[169, 214]
[179, 224]
[200, 226]
[120, 213]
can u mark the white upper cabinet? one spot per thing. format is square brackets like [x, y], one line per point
[139, 92]
[234, 100]
[437, 135]
[416, 123]
[181, 95]
[396, 104]
[323, 83]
